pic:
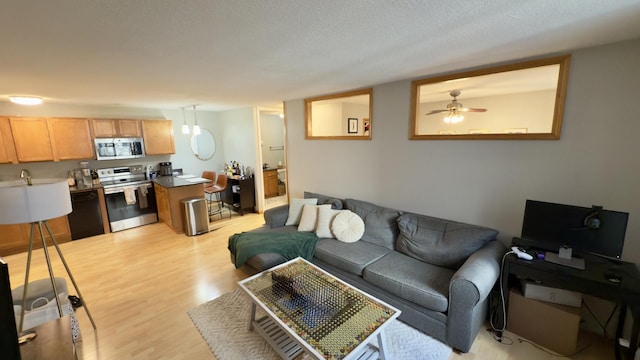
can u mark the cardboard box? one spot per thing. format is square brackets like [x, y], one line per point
[549, 325]
[549, 294]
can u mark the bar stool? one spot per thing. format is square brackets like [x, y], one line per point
[217, 189]
[208, 188]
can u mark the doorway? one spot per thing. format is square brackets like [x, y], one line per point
[273, 157]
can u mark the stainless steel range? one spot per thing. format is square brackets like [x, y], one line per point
[129, 196]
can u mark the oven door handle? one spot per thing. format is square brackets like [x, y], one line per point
[120, 189]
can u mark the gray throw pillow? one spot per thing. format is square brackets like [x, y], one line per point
[380, 223]
[336, 204]
[440, 242]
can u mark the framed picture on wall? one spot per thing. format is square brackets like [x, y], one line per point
[352, 125]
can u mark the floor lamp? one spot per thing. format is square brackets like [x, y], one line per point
[35, 201]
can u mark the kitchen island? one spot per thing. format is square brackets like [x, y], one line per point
[170, 190]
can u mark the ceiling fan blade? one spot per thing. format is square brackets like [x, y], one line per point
[436, 112]
[472, 110]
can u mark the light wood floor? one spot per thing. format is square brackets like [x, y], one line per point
[140, 283]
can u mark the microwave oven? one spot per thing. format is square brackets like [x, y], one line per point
[119, 148]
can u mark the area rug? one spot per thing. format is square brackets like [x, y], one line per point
[222, 322]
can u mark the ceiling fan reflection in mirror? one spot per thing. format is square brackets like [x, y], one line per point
[454, 108]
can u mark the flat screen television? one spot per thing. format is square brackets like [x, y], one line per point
[9, 347]
[593, 230]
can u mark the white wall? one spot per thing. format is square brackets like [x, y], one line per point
[486, 182]
[532, 111]
[330, 119]
[239, 139]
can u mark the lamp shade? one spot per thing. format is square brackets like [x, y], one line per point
[45, 199]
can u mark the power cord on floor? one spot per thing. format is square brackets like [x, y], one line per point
[499, 337]
[497, 333]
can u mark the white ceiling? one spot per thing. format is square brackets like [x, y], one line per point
[223, 54]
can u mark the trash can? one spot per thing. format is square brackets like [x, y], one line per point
[195, 216]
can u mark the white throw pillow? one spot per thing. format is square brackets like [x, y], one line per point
[309, 218]
[295, 209]
[325, 218]
[347, 227]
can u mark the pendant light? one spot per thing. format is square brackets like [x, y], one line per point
[196, 127]
[185, 127]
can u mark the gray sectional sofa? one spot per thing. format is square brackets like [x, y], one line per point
[438, 272]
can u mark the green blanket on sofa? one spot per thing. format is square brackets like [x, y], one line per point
[288, 244]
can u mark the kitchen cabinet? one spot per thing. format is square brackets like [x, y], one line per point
[7, 148]
[169, 203]
[71, 138]
[51, 139]
[158, 137]
[162, 204]
[31, 139]
[270, 183]
[15, 238]
[109, 128]
[129, 128]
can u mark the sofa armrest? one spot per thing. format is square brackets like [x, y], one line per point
[277, 216]
[469, 290]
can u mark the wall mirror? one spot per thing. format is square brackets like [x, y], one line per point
[203, 146]
[344, 116]
[517, 101]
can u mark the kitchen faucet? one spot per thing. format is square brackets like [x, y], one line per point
[25, 173]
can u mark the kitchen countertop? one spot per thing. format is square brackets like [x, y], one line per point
[174, 181]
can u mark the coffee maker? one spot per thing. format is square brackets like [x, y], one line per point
[166, 169]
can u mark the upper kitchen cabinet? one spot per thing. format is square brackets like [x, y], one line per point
[7, 149]
[31, 139]
[109, 128]
[42, 139]
[158, 137]
[129, 128]
[71, 138]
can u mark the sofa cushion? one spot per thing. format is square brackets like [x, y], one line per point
[295, 210]
[347, 227]
[440, 242]
[335, 203]
[413, 280]
[350, 257]
[380, 225]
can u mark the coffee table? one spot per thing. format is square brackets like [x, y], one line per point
[310, 311]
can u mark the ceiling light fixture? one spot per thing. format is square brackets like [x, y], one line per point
[453, 117]
[26, 100]
[185, 127]
[196, 127]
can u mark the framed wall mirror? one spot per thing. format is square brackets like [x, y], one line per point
[203, 146]
[344, 116]
[517, 101]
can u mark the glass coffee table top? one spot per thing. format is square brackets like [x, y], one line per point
[329, 315]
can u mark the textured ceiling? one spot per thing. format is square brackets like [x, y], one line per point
[223, 54]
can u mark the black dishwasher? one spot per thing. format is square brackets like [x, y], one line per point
[86, 218]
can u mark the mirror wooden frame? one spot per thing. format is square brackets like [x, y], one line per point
[308, 103]
[195, 138]
[556, 126]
